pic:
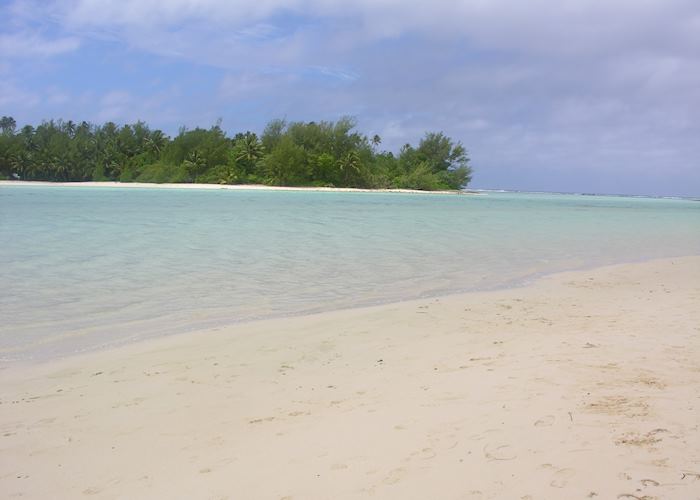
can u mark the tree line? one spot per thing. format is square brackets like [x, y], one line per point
[322, 153]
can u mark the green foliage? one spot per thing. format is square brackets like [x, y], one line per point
[162, 173]
[437, 162]
[221, 174]
[324, 169]
[420, 177]
[273, 134]
[247, 152]
[286, 164]
[127, 175]
[99, 174]
[287, 153]
[7, 125]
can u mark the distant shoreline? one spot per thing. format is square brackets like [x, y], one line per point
[230, 187]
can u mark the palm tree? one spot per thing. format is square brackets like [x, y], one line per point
[32, 170]
[18, 163]
[59, 169]
[7, 125]
[195, 164]
[155, 142]
[349, 165]
[251, 149]
[70, 128]
[248, 151]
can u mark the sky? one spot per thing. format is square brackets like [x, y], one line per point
[546, 95]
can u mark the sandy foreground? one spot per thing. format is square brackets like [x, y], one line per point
[229, 187]
[583, 385]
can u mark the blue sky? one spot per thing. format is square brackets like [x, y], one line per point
[568, 95]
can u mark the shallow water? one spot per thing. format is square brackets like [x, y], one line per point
[84, 268]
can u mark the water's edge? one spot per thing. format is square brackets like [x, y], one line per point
[530, 281]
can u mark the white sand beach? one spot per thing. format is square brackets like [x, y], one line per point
[230, 187]
[583, 385]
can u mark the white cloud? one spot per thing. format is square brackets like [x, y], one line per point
[13, 98]
[116, 106]
[567, 25]
[29, 44]
[242, 85]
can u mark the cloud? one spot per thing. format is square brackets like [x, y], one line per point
[579, 87]
[13, 98]
[534, 25]
[28, 44]
[115, 106]
[26, 34]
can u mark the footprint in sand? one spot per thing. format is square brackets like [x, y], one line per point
[501, 452]
[425, 454]
[561, 478]
[395, 476]
[546, 421]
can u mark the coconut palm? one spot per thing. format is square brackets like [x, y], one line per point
[195, 164]
[251, 150]
[349, 166]
[155, 142]
[7, 125]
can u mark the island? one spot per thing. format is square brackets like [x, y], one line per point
[322, 154]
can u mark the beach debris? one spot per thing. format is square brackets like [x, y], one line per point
[636, 439]
[261, 420]
[619, 405]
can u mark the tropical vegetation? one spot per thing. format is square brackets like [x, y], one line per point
[322, 153]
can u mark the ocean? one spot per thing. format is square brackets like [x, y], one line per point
[86, 268]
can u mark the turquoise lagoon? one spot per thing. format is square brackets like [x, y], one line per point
[84, 268]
